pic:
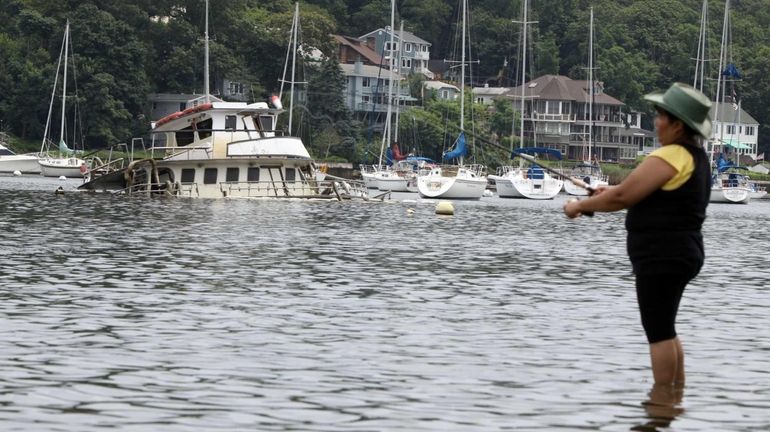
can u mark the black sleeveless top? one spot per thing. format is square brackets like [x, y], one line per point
[664, 229]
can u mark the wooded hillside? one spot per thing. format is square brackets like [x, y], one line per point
[125, 49]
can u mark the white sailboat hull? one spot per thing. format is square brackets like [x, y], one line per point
[460, 186]
[393, 184]
[369, 180]
[730, 195]
[592, 181]
[69, 167]
[515, 185]
[26, 164]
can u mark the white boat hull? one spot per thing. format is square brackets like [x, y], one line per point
[70, 167]
[461, 186]
[730, 195]
[594, 182]
[515, 185]
[26, 164]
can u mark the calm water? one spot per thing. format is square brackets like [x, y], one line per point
[190, 315]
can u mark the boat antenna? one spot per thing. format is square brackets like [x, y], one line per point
[206, 57]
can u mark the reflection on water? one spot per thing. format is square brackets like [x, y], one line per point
[663, 406]
[190, 315]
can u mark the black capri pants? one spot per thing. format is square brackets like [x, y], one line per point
[663, 265]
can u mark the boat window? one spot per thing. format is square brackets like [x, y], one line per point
[210, 176]
[252, 174]
[165, 174]
[267, 122]
[231, 122]
[188, 175]
[232, 174]
[204, 128]
[291, 174]
[185, 136]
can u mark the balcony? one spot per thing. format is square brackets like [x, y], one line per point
[553, 117]
[420, 55]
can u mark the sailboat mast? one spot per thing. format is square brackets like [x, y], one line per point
[590, 84]
[398, 83]
[386, 131]
[720, 87]
[523, 73]
[206, 57]
[53, 95]
[700, 59]
[462, 73]
[64, 79]
[293, 64]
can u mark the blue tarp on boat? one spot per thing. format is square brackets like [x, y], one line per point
[459, 149]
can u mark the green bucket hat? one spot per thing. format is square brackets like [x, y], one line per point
[687, 104]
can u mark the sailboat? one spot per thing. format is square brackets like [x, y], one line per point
[215, 149]
[459, 181]
[534, 182]
[589, 171]
[725, 188]
[66, 163]
[397, 174]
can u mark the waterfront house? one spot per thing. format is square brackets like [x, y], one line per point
[366, 92]
[557, 116]
[735, 130]
[415, 51]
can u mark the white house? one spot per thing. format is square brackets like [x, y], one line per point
[735, 130]
[485, 95]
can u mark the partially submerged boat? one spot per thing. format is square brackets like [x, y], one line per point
[226, 149]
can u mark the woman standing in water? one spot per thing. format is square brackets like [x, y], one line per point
[666, 195]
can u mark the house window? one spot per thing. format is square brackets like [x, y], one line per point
[291, 174]
[408, 47]
[365, 99]
[232, 174]
[730, 129]
[252, 174]
[407, 63]
[182, 106]
[188, 175]
[444, 94]
[210, 176]
[479, 100]
[750, 130]
[425, 48]
[231, 122]
[365, 82]
[388, 47]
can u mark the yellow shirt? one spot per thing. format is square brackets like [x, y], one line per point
[678, 157]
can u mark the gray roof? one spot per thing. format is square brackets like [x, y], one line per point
[437, 85]
[728, 113]
[559, 87]
[490, 91]
[407, 36]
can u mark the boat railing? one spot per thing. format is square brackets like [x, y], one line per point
[331, 187]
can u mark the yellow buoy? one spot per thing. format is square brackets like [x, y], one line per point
[445, 208]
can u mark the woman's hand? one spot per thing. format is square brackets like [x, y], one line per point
[572, 208]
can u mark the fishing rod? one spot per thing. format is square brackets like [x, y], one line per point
[577, 182]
